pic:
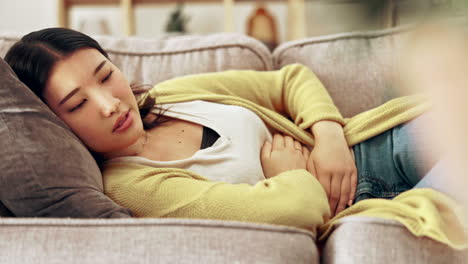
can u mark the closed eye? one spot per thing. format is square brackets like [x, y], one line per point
[107, 76]
[78, 106]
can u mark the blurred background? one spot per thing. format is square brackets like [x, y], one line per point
[273, 21]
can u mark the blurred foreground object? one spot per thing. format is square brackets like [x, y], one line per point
[262, 26]
[435, 62]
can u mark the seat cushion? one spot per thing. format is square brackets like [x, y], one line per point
[152, 241]
[358, 239]
[357, 68]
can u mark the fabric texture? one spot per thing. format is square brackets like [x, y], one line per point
[128, 241]
[358, 68]
[151, 192]
[153, 60]
[46, 170]
[391, 163]
[367, 240]
[150, 61]
[424, 212]
[232, 158]
[209, 137]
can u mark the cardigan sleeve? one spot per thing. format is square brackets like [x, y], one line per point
[293, 198]
[293, 91]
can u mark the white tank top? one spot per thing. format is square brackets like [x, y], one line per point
[234, 157]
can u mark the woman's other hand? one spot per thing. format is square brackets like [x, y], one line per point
[282, 154]
[332, 163]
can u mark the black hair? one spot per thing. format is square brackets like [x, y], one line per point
[33, 57]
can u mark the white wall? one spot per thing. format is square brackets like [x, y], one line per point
[27, 15]
[205, 18]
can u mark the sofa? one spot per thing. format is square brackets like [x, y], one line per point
[357, 68]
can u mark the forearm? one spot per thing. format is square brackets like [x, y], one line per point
[294, 91]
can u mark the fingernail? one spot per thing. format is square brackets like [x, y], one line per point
[350, 202]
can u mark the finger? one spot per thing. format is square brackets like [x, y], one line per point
[353, 185]
[266, 150]
[335, 191]
[305, 152]
[344, 196]
[325, 181]
[297, 145]
[288, 142]
[278, 141]
[311, 167]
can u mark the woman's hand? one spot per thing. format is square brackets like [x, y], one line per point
[332, 163]
[282, 154]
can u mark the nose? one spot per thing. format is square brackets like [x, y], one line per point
[107, 104]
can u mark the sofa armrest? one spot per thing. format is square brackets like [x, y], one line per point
[363, 240]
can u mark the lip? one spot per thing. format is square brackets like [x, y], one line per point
[126, 119]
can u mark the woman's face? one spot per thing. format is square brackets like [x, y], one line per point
[92, 96]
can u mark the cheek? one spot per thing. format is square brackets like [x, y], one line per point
[87, 128]
[121, 89]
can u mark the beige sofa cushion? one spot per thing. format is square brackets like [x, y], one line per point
[150, 61]
[365, 240]
[128, 241]
[357, 68]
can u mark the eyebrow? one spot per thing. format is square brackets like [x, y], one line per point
[99, 67]
[74, 91]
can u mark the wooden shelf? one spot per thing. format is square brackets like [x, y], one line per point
[135, 2]
[296, 16]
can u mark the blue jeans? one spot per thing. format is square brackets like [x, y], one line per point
[390, 163]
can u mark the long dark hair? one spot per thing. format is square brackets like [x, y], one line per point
[33, 57]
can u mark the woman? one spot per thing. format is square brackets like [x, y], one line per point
[221, 145]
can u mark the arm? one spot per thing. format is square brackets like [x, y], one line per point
[292, 198]
[293, 91]
[332, 162]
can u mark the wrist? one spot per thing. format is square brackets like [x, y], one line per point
[326, 129]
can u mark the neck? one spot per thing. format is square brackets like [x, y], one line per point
[133, 150]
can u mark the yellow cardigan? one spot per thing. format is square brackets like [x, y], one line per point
[293, 198]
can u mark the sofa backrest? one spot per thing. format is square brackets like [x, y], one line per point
[152, 60]
[357, 68]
